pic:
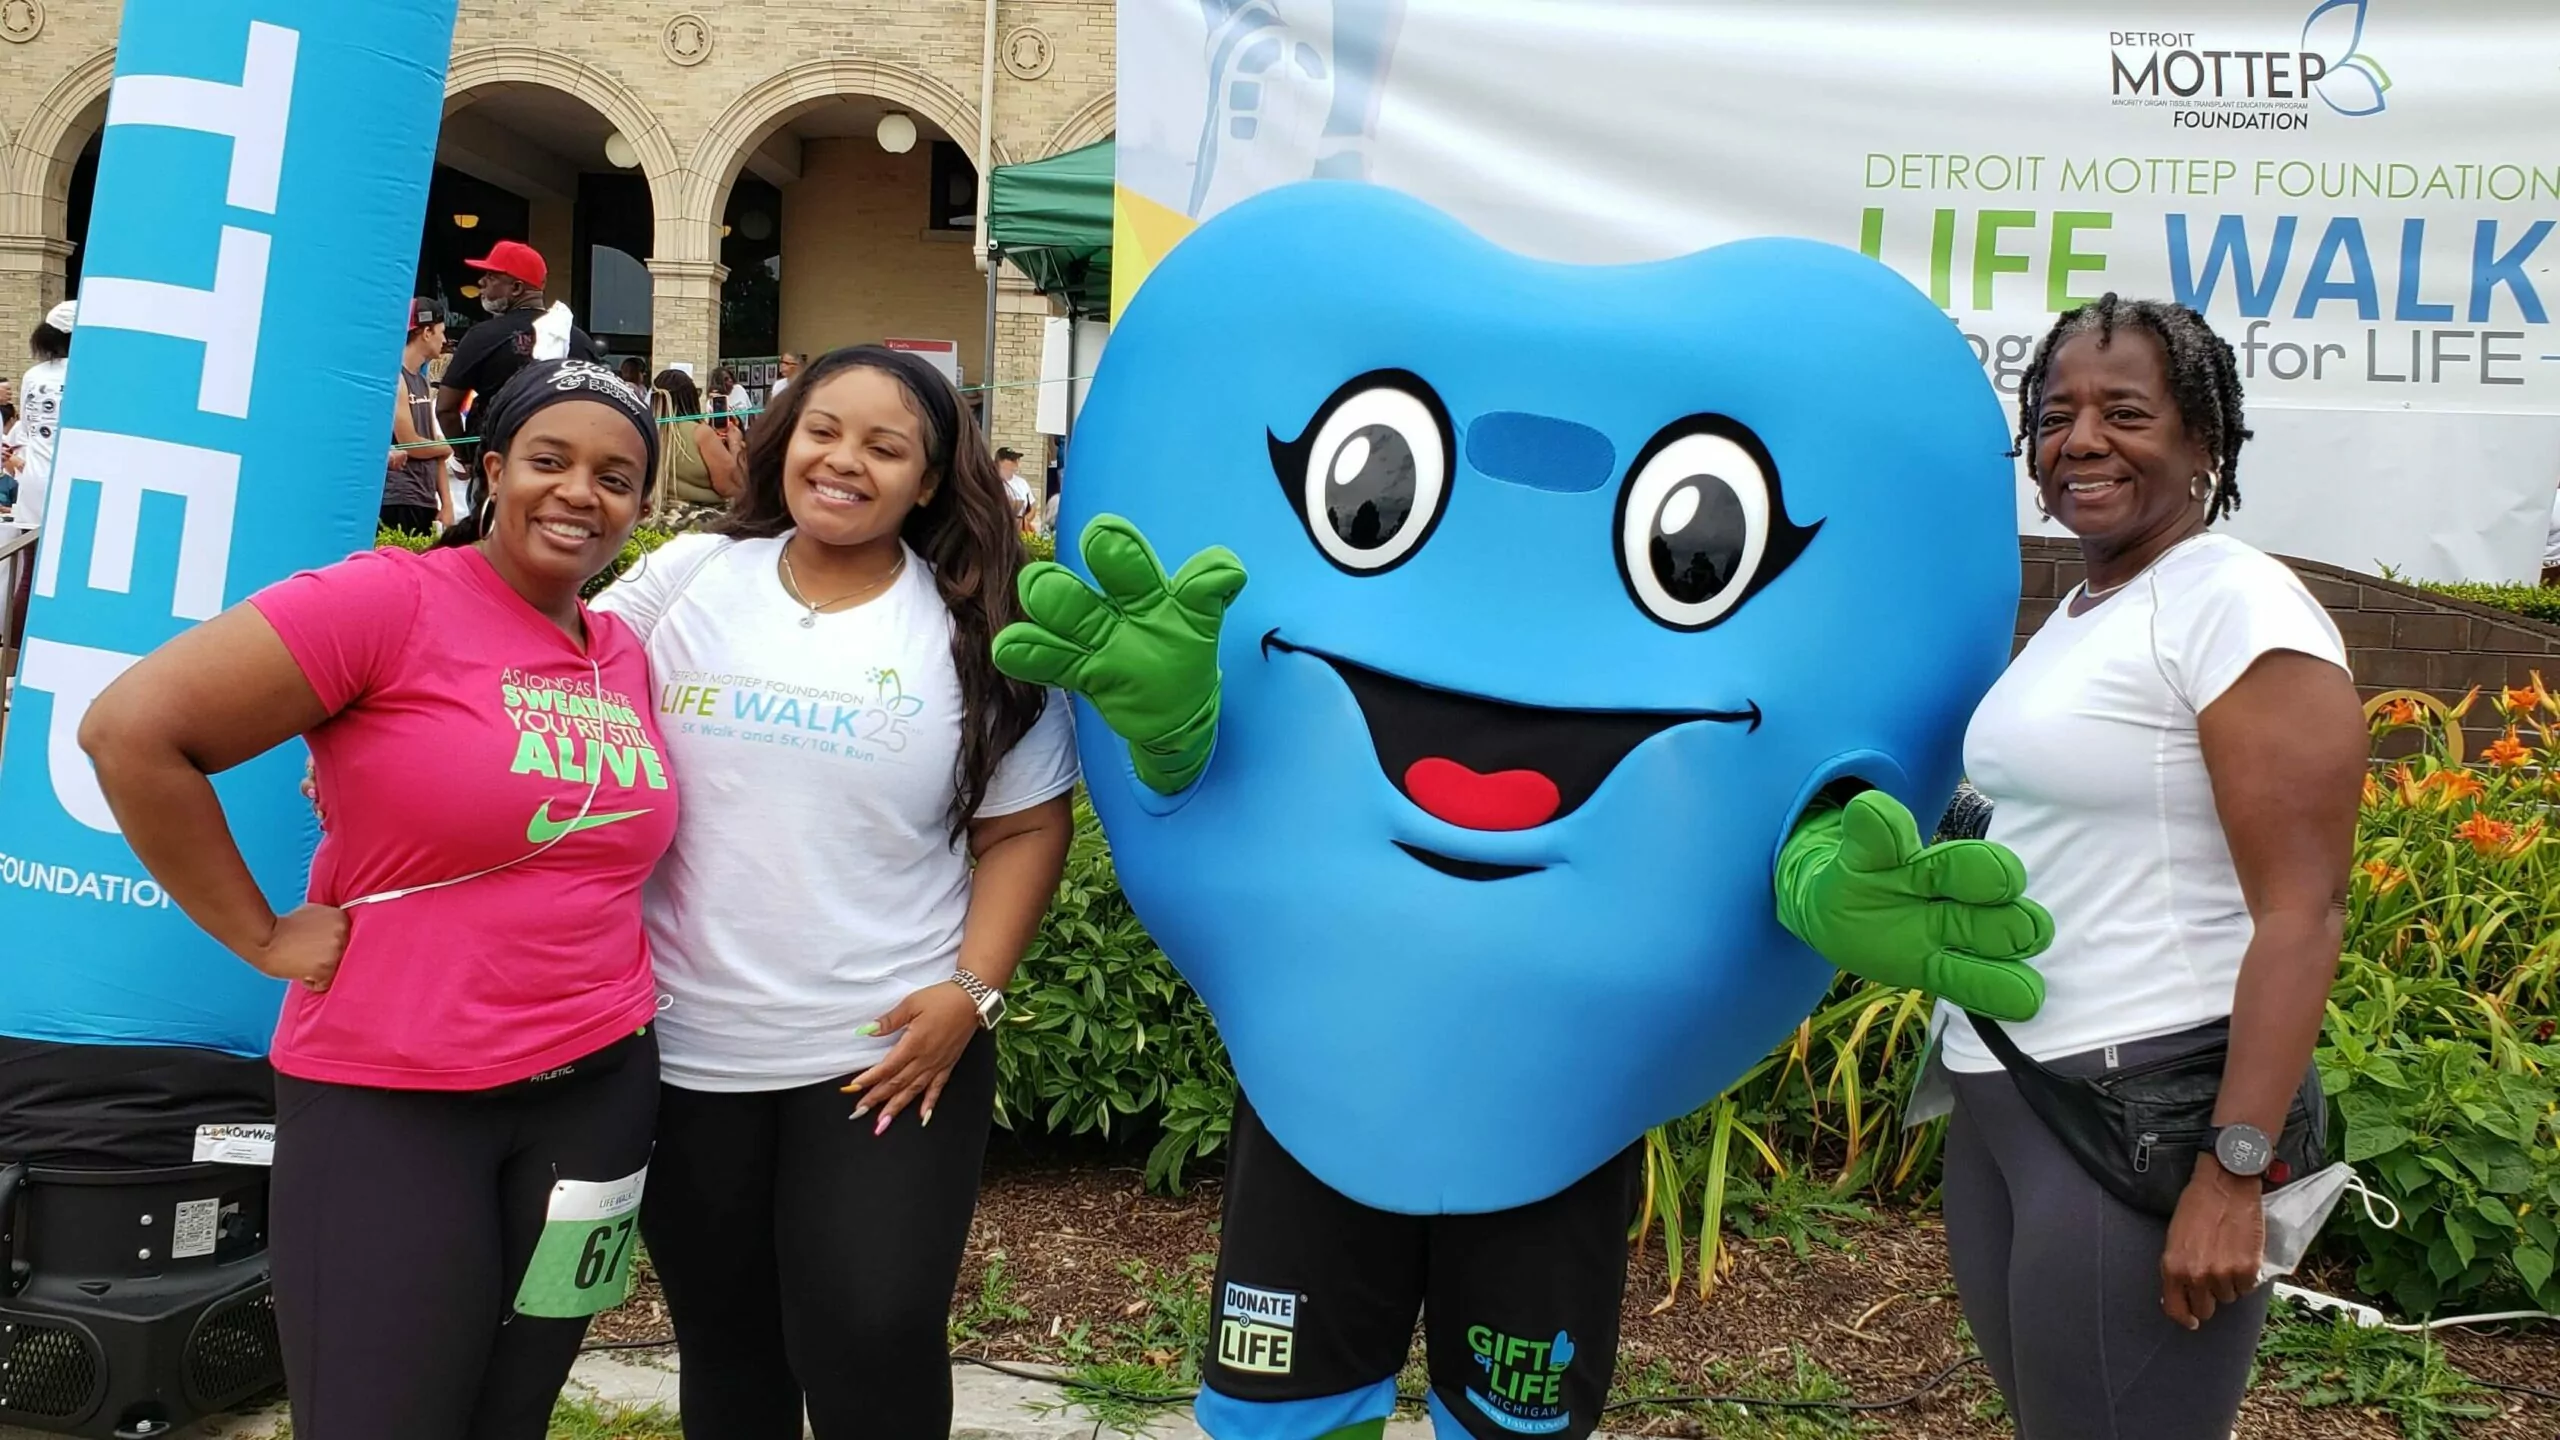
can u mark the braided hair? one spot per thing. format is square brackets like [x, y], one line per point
[2204, 379]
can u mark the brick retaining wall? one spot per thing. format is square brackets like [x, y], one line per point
[2398, 638]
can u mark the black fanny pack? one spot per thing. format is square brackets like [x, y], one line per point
[2136, 1131]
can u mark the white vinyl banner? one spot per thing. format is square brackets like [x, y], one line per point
[2359, 194]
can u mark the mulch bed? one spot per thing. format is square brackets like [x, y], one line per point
[1882, 1316]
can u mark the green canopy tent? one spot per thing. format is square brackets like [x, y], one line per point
[1052, 219]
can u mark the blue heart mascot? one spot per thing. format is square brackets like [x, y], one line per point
[1604, 629]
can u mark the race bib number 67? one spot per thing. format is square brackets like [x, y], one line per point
[582, 1264]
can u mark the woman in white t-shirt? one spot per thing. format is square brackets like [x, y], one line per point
[875, 821]
[2177, 757]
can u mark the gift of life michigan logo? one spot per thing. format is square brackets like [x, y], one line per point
[570, 730]
[1257, 1330]
[1523, 1389]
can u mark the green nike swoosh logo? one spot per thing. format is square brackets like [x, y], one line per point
[542, 829]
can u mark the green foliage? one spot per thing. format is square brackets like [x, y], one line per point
[2438, 1053]
[576, 1418]
[1106, 1037]
[1155, 1353]
[642, 541]
[2339, 1362]
[993, 1306]
[2531, 601]
[1040, 547]
[1793, 1207]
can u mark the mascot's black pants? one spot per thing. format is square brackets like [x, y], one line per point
[1316, 1298]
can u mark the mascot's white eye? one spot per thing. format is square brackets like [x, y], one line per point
[1371, 480]
[1700, 527]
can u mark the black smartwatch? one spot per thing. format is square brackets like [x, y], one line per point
[2243, 1150]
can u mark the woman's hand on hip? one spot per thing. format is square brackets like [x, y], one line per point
[934, 1027]
[2216, 1241]
[305, 946]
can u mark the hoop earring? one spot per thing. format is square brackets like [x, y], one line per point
[2040, 505]
[2203, 488]
[488, 515]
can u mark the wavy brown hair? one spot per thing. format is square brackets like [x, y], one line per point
[966, 537]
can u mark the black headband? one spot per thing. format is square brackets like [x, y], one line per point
[545, 383]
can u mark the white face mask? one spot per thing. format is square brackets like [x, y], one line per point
[2295, 1213]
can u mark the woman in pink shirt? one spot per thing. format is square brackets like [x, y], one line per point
[466, 1074]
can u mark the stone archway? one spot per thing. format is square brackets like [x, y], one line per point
[725, 147]
[34, 220]
[1095, 120]
[483, 67]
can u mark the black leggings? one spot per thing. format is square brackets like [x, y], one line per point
[2061, 1280]
[403, 1223]
[807, 1260]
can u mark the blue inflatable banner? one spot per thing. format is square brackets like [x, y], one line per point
[261, 185]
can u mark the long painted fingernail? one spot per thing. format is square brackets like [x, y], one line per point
[871, 1028]
[850, 1088]
[882, 1128]
[859, 1111]
[925, 1119]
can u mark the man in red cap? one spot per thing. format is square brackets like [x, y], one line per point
[510, 284]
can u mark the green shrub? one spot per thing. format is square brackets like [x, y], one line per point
[2531, 601]
[1041, 547]
[1106, 1037]
[642, 541]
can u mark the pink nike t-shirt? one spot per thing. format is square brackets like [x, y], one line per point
[464, 732]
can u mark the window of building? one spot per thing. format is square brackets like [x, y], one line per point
[954, 201]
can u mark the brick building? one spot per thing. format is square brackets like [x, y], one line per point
[706, 183]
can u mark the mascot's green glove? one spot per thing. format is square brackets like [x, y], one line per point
[1856, 884]
[1143, 649]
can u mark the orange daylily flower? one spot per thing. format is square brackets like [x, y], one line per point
[2526, 699]
[2464, 708]
[2400, 712]
[2526, 839]
[2373, 791]
[2453, 786]
[2386, 876]
[2488, 836]
[2507, 752]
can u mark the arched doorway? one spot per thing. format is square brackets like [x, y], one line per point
[847, 196]
[545, 166]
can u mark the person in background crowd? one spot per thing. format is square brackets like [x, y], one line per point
[726, 398]
[465, 1054]
[2177, 757]
[700, 460]
[841, 919]
[415, 499]
[2551, 544]
[8, 404]
[788, 367]
[635, 373]
[41, 395]
[1017, 491]
[511, 276]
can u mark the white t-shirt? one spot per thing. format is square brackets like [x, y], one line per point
[39, 417]
[2088, 751]
[814, 881]
[1018, 491]
[2551, 537]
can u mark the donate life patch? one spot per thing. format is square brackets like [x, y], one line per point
[1257, 1330]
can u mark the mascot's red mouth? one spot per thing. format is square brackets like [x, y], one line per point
[1491, 765]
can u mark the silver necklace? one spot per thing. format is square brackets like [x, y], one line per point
[791, 586]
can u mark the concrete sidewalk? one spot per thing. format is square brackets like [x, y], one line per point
[986, 1405]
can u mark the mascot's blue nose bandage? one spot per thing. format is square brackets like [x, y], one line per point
[1567, 587]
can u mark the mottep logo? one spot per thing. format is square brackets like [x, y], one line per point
[2209, 81]
[1523, 1380]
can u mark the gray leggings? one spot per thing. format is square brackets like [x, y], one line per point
[2061, 1282]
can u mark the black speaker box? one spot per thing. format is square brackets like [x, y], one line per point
[133, 1301]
